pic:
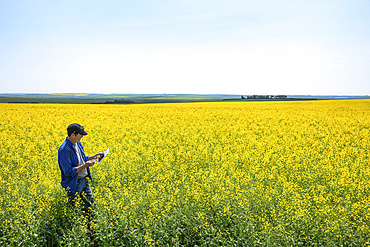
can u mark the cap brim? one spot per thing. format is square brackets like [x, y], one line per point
[83, 132]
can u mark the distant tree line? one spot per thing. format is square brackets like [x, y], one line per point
[265, 97]
[118, 102]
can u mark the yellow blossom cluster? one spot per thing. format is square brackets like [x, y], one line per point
[225, 173]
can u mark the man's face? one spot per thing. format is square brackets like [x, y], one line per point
[75, 138]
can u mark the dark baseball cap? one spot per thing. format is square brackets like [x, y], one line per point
[76, 128]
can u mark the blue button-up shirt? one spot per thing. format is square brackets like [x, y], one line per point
[68, 162]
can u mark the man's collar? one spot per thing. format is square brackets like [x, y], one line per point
[69, 142]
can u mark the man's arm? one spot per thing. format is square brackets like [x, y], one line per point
[93, 157]
[88, 163]
[65, 163]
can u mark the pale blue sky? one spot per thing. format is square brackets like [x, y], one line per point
[221, 46]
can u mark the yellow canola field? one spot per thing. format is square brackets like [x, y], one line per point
[227, 173]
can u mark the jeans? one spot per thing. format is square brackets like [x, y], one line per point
[84, 192]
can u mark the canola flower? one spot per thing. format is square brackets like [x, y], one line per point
[227, 173]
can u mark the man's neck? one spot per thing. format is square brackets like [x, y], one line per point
[72, 140]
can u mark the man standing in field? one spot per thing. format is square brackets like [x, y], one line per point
[74, 166]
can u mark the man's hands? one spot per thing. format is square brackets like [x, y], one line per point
[90, 163]
[101, 155]
[95, 156]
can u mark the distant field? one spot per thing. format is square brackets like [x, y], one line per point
[146, 98]
[102, 98]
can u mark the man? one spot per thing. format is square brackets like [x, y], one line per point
[75, 167]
